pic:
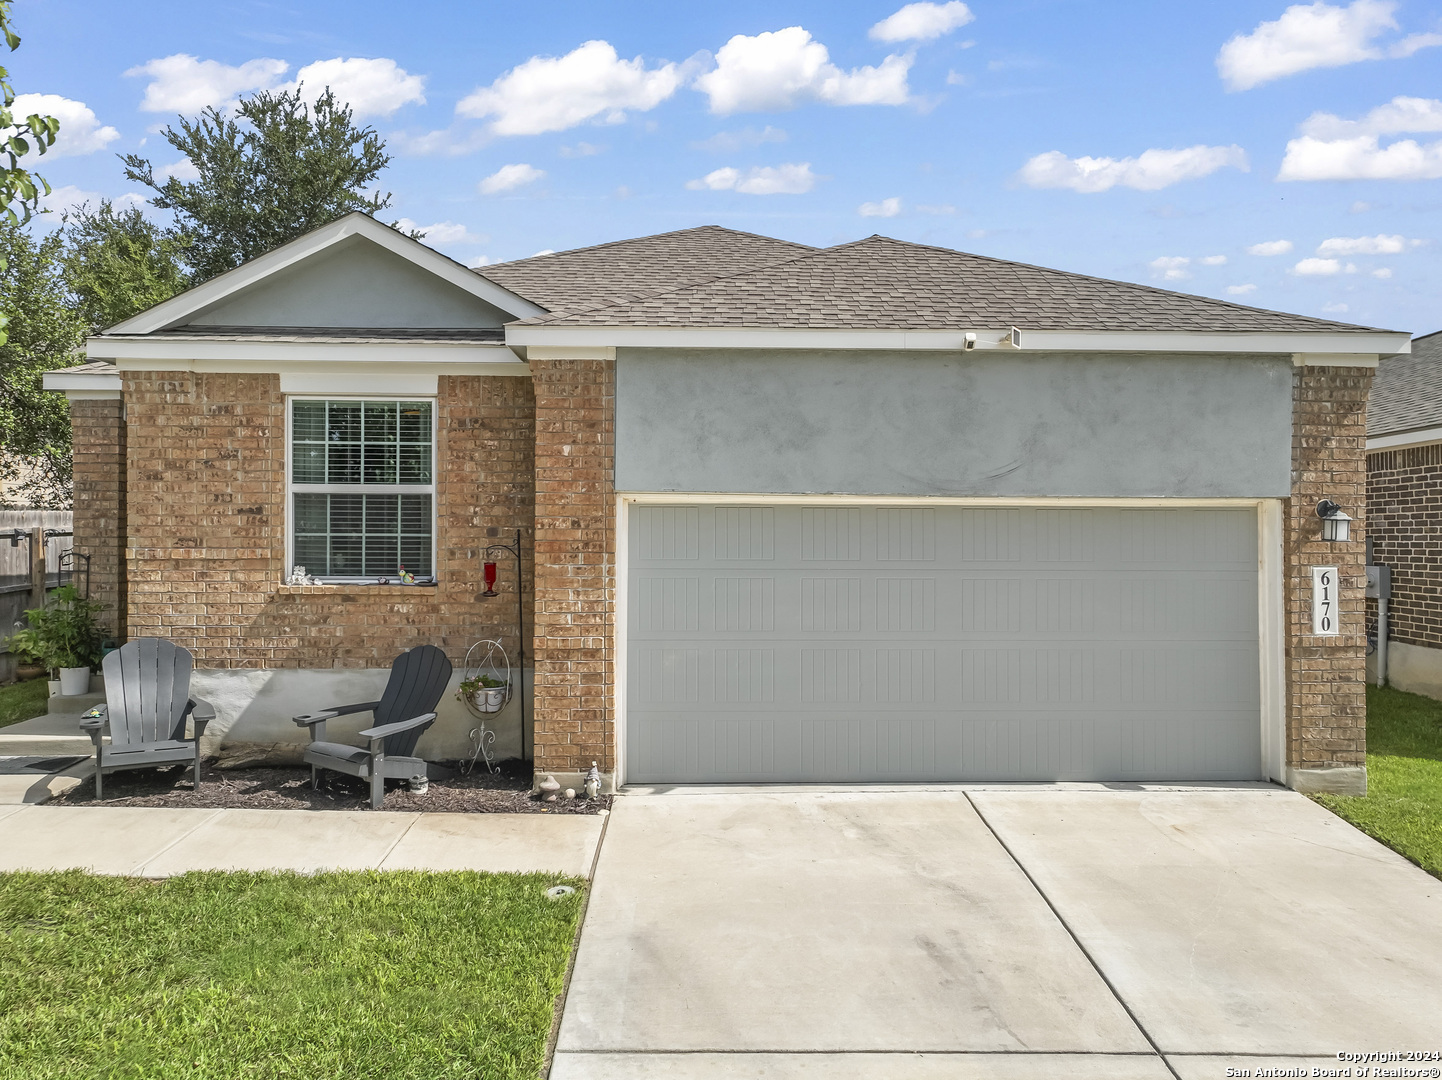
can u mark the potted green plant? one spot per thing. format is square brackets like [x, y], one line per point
[485, 694]
[66, 638]
[29, 659]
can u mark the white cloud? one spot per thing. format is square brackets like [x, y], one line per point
[1359, 207]
[1213, 260]
[1383, 272]
[63, 198]
[184, 84]
[884, 208]
[376, 87]
[784, 68]
[80, 130]
[939, 209]
[1398, 115]
[1362, 158]
[1149, 171]
[1170, 267]
[510, 177]
[551, 93]
[480, 261]
[580, 150]
[922, 22]
[443, 232]
[183, 170]
[543, 251]
[1270, 247]
[1365, 245]
[1335, 309]
[1316, 35]
[761, 180]
[1317, 267]
[1241, 290]
[447, 142]
[728, 142]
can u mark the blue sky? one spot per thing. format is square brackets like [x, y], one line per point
[1284, 156]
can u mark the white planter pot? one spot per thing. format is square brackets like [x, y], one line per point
[74, 681]
[495, 698]
[54, 685]
[482, 702]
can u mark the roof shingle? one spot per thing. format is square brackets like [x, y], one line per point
[881, 283]
[1407, 391]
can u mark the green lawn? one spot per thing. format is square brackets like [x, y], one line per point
[211, 975]
[22, 700]
[1403, 804]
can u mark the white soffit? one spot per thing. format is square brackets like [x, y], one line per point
[1358, 349]
[1404, 440]
[174, 311]
[177, 353]
[83, 385]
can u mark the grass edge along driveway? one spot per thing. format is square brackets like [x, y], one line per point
[1403, 804]
[395, 974]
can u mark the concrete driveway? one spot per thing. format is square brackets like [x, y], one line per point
[1011, 933]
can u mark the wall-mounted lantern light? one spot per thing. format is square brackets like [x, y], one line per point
[1336, 525]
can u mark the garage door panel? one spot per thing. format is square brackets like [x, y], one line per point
[838, 643]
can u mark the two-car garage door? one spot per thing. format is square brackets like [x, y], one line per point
[792, 643]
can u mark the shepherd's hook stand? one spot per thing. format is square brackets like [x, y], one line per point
[490, 578]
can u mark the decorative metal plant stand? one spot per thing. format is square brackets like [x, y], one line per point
[494, 662]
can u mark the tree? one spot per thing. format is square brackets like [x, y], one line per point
[117, 263]
[275, 170]
[44, 333]
[18, 186]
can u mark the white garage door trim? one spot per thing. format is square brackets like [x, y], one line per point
[1270, 606]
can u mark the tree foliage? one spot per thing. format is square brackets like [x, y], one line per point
[18, 186]
[45, 331]
[117, 263]
[275, 170]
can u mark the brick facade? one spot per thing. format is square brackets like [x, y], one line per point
[1404, 520]
[1326, 679]
[99, 502]
[576, 563]
[207, 520]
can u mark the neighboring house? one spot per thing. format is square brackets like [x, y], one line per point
[1404, 511]
[876, 512]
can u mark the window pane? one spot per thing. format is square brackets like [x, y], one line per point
[415, 463]
[381, 514]
[308, 423]
[311, 552]
[344, 422]
[382, 556]
[312, 514]
[308, 464]
[380, 421]
[416, 514]
[346, 514]
[415, 421]
[380, 463]
[344, 466]
[415, 555]
[346, 556]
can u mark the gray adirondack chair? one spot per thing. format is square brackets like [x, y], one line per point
[406, 709]
[147, 701]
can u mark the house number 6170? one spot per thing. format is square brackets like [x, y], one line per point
[1324, 601]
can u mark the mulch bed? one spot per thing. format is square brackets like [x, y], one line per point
[286, 788]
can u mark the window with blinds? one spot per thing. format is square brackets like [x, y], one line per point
[362, 488]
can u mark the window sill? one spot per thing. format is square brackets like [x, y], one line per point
[358, 587]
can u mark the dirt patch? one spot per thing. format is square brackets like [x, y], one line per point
[284, 788]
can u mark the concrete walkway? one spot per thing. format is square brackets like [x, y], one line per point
[159, 842]
[991, 933]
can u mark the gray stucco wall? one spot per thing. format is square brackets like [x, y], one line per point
[356, 283]
[986, 424]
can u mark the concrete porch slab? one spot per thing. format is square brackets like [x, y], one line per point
[30, 786]
[7, 810]
[306, 841]
[842, 922]
[1241, 922]
[519, 843]
[571, 1066]
[103, 839]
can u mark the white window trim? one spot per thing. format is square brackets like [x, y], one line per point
[292, 488]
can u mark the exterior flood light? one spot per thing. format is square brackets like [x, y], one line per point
[1336, 525]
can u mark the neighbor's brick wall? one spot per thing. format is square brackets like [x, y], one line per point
[98, 433]
[576, 563]
[1326, 679]
[1404, 519]
[206, 456]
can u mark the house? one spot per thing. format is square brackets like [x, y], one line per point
[1404, 513]
[874, 512]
